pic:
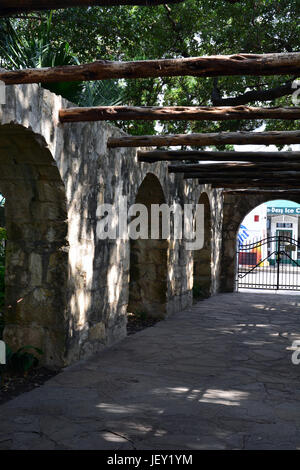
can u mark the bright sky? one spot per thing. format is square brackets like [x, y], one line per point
[282, 203]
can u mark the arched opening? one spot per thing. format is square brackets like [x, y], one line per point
[268, 247]
[36, 261]
[148, 260]
[203, 257]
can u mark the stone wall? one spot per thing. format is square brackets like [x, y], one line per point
[67, 290]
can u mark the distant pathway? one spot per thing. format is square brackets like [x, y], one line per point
[216, 376]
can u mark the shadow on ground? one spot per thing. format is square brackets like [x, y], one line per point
[216, 376]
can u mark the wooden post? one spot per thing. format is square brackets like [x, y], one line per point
[191, 113]
[221, 138]
[212, 66]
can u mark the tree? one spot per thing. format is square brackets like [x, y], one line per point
[190, 28]
[37, 48]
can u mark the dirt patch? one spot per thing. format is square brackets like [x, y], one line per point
[13, 385]
[136, 324]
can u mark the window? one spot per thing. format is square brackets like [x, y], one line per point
[284, 225]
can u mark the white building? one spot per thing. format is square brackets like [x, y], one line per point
[279, 218]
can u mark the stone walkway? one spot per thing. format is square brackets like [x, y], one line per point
[216, 376]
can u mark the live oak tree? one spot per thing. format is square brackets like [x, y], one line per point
[187, 29]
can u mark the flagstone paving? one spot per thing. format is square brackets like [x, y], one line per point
[216, 376]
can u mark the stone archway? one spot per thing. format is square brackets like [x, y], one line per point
[148, 283]
[37, 248]
[202, 258]
[236, 206]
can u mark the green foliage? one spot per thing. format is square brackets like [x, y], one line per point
[191, 28]
[199, 293]
[101, 93]
[21, 361]
[141, 315]
[37, 47]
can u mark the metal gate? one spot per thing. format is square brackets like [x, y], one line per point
[270, 263]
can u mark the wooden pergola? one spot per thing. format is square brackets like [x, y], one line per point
[228, 169]
[206, 66]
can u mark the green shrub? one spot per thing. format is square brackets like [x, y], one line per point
[21, 361]
[141, 315]
[199, 292]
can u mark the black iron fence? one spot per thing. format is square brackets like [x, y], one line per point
[269, 263]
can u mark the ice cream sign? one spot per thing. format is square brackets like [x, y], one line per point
[283, 210]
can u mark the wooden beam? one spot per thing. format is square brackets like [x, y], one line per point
[254, 183]
[202, 155]
[251, 174]
[173, 113]
[211, 66]
[233, 167]
[248, 182]
[242, 191]
[221, 138]
[12, 7]
[254, 174]
[261, 185]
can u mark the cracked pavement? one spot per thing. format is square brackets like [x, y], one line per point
[216, 376]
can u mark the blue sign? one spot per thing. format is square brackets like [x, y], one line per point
[243, 234]
[283, 210]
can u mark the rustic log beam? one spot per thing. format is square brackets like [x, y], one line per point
[254, 191]
[243, 181]
[274, 186]
[173, 113]
[221, 138]
[253, 183]
[233, 167]
[211, 66]
[202, 155]
[253, 173]
[250, 173]
[12, 7]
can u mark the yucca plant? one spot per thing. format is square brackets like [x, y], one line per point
[101, 93]
[35, 48]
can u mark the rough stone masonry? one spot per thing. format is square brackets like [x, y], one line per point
[67, 291]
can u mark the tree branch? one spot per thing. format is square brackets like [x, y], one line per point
[251, 96]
